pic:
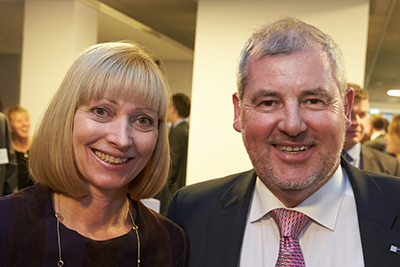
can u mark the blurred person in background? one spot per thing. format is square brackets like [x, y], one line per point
[358, 154]
[393, 137]
[21, 141]
[8, 161]
[377, 125]
[178, 138]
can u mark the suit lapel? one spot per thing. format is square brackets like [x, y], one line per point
[225, 240]
[376, 217]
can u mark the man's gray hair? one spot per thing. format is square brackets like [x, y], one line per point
[286, 36]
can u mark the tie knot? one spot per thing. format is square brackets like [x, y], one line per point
[290, 222]
[347, 156]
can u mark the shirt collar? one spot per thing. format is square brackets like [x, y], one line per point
[178, 122]
[323, 206]
[376, 134]
[355, 151]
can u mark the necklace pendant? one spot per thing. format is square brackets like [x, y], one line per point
[60, 263]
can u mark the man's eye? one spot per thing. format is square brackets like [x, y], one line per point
[268, 103]
[314, 101]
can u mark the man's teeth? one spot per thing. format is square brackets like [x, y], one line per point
[110, 159]
[292, 148]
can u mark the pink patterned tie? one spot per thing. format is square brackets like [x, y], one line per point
[290, 224]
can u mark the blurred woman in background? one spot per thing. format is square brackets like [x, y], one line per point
[21, 141]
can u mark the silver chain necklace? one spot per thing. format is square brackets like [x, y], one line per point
[60, 262]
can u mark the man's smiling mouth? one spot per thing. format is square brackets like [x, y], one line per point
[292, 149]
[108, 158]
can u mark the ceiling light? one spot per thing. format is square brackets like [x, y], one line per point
[394, 92]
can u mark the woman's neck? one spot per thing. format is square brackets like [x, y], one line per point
[21, 144]
[95, 217]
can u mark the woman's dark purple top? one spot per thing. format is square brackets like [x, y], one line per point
[28, 237]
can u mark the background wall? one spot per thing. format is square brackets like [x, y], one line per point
[54, 33]
[10, 75]
[215, 149]
[179, 76]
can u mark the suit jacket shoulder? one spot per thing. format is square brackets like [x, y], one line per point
[213, 215]
[378, 207]
[377, 161]
[378, 143]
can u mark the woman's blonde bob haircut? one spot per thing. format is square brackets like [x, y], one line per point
[119, 70]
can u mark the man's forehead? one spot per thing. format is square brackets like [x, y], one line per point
[361, 104]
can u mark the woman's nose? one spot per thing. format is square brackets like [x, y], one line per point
[121, 134]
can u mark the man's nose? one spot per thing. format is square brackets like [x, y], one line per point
[292, 122]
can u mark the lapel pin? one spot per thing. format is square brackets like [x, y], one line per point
[394, 249]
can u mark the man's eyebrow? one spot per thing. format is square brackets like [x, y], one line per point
[316, 92]
[263, 93]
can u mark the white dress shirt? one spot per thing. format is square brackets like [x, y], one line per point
[355, 154]
[331, 239]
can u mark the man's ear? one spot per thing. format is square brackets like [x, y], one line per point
[237, 112]
[348, 105]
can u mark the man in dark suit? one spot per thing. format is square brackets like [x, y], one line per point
[8, 160]
[292, 108]
[377, 125]
[178, 140]
[361, 155]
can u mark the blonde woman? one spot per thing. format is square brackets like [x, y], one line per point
[21, 141]
[101, 147]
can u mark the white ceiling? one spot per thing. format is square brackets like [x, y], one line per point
[174, 21]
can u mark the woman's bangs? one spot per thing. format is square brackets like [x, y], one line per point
[135, 85]
[133, 81]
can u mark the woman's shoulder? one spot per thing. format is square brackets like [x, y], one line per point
[153, 217]
[163, 233]
[34, 195]
[163, 227]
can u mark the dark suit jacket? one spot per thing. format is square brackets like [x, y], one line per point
[178, 141]
[377, 161]
[214, 213]
[378, 143]
[8, 172]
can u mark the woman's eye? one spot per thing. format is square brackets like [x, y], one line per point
[144, 120]
[100, 111]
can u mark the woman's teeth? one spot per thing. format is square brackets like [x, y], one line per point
[109, 159]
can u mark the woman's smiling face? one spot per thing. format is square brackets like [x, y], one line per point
[113, 141]
[20, 124]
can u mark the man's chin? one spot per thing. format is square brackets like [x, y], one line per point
[350, 143]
